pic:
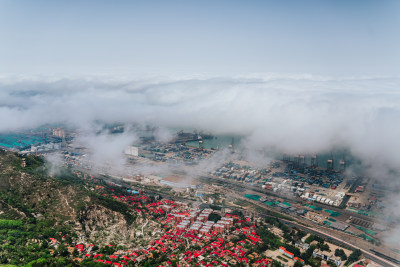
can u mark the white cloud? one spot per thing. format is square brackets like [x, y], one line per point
[298, 113]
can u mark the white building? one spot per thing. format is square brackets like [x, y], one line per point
[132, 151]
[328, 256]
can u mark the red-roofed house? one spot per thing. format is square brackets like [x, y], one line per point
[298, 259]
[285, 252]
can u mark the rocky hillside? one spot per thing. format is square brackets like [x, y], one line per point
[28, 193]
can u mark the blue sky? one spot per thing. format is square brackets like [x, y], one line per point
[213, 37]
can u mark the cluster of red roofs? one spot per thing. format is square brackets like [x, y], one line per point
[174, 239]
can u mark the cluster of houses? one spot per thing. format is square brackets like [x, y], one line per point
[198, 222]
[202, 249]
[187, 236]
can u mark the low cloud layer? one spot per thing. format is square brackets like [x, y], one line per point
[105, 150]
[298, 113]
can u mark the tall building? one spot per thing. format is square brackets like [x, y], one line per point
[59, 133]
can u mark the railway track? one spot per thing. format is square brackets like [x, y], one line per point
[242, 186]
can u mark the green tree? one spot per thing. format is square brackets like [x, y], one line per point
[214, 217]
[355, 256]
[62, 250]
